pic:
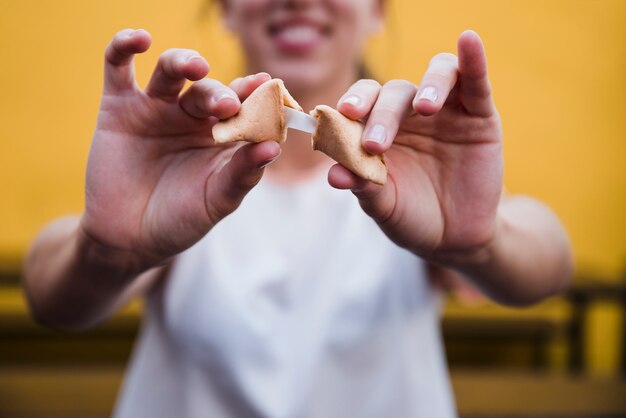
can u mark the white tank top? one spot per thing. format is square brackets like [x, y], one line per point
[294, 306]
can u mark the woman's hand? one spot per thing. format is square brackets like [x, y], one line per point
[443, 151]
[442, 200]
[156, 183]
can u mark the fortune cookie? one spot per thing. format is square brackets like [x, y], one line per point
[261, 117]
[340, 138]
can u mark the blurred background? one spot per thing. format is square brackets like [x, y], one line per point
[558, 70]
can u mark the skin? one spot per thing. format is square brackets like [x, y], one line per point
[156, 183]
[349, 23]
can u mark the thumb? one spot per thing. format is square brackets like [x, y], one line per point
[224, 193]
[377, 201]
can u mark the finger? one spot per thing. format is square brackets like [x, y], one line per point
[238, 177]
[119, 73]
[174, 67]
[474, 83]
[340, 177]
[208, 97]
[392, 106]
[436, 84]
[244, 86]
[358, 101]
[376, 200]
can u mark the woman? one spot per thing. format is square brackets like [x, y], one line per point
[296, 302]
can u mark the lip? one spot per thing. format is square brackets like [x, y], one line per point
[298, 35]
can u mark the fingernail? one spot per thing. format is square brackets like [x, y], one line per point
[194, 57]
[225, 96]
[353, 100]
[428, 93]
[376, 133]
[266, 163]
[264, 74]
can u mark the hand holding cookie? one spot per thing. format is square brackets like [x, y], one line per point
[156, 180]
[443, 150]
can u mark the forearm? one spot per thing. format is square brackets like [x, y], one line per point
[72, 282]
[528, 260]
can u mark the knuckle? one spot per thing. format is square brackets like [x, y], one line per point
[195, 96]
[217, 210]
[445, 57]
[388, 117]
[235, 85]
[168, 54]
[110, 52]
[369, 83]
[437, 74]
[113, 54]
[397, 84]
[177, 53]
[385, 112]
[204, 85]
[243, 89]
[236, 82]
[444, 63]
[480, 91]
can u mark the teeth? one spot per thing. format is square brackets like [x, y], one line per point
[299, 33]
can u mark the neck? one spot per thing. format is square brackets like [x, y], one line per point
[297, 161]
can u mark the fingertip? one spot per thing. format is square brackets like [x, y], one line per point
[273, 148]
[469, 39]
[195, 68]
[425, 107]
[352, 107]
[428, 100]
[126, 43]
[468, 34]
[266, 149]
[373, 147]
[341, 178]
[255, 80]
[351, 111]
[142, 34]
[251, 157]
[140, 40]
[246, 85]
[225, 106]
[130, 41]
[265, 153]
[472, 56]
[263, 76]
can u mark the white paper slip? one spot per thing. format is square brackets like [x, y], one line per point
[299, 120]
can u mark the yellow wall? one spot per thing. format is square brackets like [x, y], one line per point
[558, 68]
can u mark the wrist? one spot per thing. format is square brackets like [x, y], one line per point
[478, 256]
[115, 263]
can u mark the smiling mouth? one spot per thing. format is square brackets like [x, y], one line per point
[298, 36]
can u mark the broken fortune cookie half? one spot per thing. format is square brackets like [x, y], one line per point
[261, 117]
[340, 138]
